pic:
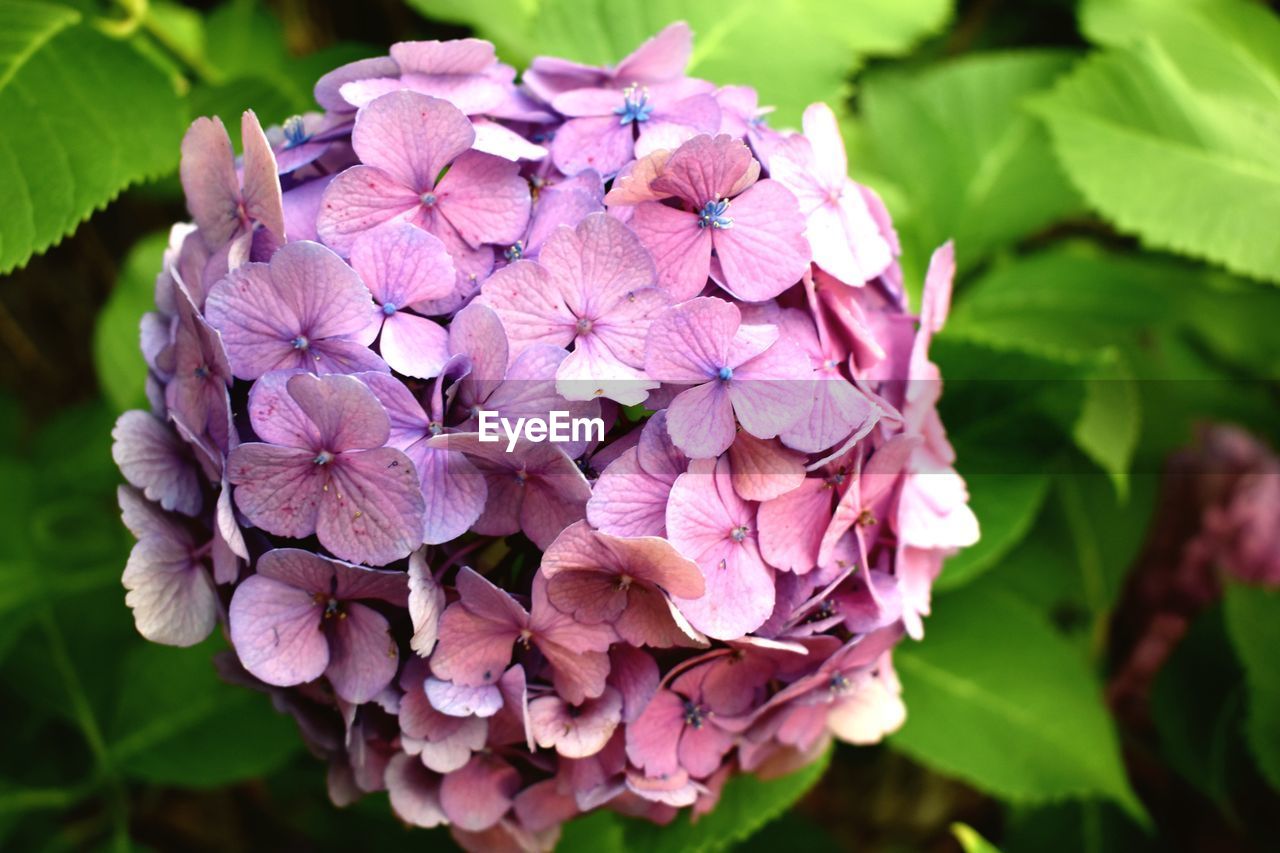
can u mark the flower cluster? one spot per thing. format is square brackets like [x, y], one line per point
[507, 634]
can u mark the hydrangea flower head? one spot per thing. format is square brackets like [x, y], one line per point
[358, 358]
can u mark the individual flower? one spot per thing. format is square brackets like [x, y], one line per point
[606, 128]
[711, 525]
[405, 141]
[301, 616]
[624, 582]
[403, 266]
[751, 228]
[840, 228]
[679, 731]
[153, 458]
[196, 394]
[592, 288]
[736, 371]
[322, 468]
[305, 309]
[478, 631]
[224, 204]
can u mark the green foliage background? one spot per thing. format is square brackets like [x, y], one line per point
[1109, 171]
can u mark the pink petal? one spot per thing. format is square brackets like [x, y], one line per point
[705, 169]
[262, 199]
[455, 494]
[210, 182]
[765, 251]
[493, 138]
[413, 345]
[276, 417]
[839, 410]
[792, 525]
[596, 142]
[426, 604]
[363, 656]
[276, 632]
[578, 733]
[764, 469]
[701, 420]
[359, 199]
[373, 510]
[634, 674]
[478, 795]
[772, 391]
[576, 652]
[456, 700]
[411, 137]
[653, 739]
[346, 414]
[627, 501]
[689, 343]
[485, 199]
[702, 749]
[171, 596]
[660, 58]
[680, 249]
[402, 264]
[670, 127]
[277, 488]
[478, 333]
[532, 309]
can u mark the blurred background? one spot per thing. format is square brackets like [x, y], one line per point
[1099, 672]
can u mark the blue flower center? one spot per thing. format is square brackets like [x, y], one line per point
[838, 683]
[201, 372]
[712, 215]
[301, 342]
[516, 252]
[435, 427]
[694, 715]
[635, 105]
[324, 457]
[738, 533]
[725, 374]
[428, 199]
[295, 132]
[388, 308]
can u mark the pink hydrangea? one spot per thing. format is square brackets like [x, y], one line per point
[505, 630]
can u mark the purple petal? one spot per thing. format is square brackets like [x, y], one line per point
[372, 512]
[411, 137]
[485, 199]
[478, 795]
[276, 631]
[277, 488]
[456, 700]
[363, 656]
[171, 596]
[680, 249]
[345, 412]
[576, 733]
[765, 251]
[402, 264]
[426, 603]
[414, 792]
[413, 345]
[210, 182]
[261, 194]
[153, 458]
[359, 199]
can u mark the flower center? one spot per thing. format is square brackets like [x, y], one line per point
[838, 683]
[725, 374]
[635, 105]
[584, 326]
[295, 132]
[712, 215]
[739, 533]
[324, 457]
[202, 372]
[301, 342]
[435, 427]
[516, 252]
[694, 714]
[332, 607]
[428, 199]
[625, 581]
[388, 308]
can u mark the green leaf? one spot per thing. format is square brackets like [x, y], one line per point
[81, 118]
[1173, 137]
[746, 804]
[956, 141]
[1006, 506]
[1253, 623]
[1001, 701]
[971, 841]
[1109, 423]
[117, 354]
[177, 723]
[794, 52]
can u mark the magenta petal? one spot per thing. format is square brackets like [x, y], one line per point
[171, 595]
[153, 458]
[411, 137]
[372, 512]
[345, 412]
[765, 251]
[702, 748]
[485, 199]
[707, 168]
[276, 631]
[477, 796]
[681, 250]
